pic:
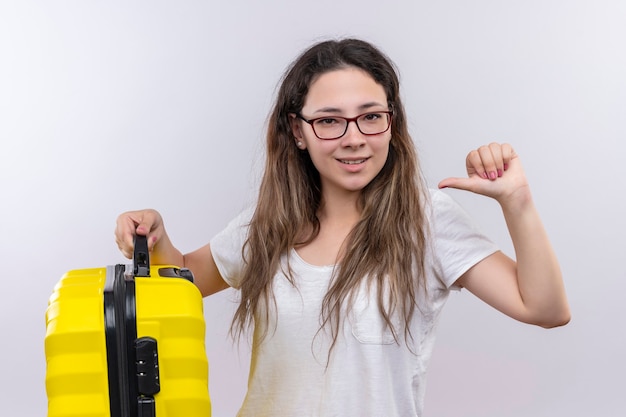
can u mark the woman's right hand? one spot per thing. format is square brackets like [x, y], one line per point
[147, 223]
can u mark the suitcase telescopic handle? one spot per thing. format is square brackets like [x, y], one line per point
[141, 257]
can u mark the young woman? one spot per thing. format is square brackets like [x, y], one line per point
[346, 260]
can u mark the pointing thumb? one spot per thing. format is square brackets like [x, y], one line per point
[455, 182]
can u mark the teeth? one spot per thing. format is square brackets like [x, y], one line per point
[360, 161]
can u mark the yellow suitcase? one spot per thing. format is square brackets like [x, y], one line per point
[122, 342]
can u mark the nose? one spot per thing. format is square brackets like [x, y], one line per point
[353, 136]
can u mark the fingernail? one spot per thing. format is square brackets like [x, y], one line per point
[484, 175]
[506, 166]
[500, 172]
[493, 175]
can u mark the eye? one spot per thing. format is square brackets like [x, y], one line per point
[326, 122]
[372, 117]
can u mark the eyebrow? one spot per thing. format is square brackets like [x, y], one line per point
[365, 106]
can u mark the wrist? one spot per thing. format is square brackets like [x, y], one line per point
[517, 201]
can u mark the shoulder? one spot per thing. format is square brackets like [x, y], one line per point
[448, 219]
[456, 239]
[233, 236]
[441, 208]
[227, 245]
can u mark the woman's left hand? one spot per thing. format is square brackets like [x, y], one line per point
[494, 171]
[531, 288]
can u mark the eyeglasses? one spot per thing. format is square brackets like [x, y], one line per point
[334, 127]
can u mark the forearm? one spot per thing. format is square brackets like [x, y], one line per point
[200, 262]
[538, 273]
[164, 253]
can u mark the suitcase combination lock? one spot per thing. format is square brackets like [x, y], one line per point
[147, 366]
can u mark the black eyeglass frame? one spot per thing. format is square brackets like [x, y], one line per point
[354, 119]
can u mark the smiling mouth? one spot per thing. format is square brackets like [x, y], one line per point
[352, 161]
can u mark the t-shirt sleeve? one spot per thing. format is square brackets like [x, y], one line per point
[227, 248]
[458, 243]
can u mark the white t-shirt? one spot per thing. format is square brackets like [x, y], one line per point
[367, 373]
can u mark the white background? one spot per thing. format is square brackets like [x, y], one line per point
[107, 106]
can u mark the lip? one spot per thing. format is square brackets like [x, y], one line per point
[352, 165]
[352, 160]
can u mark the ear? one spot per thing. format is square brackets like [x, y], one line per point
[296, 131]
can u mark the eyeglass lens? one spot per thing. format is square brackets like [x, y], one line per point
[335, 127]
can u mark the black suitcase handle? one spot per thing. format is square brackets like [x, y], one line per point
[141, 263]
[141, 257]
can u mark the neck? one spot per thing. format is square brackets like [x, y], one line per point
[337, 216]
[340, 209]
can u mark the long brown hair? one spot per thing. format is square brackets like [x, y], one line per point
[386, 247]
